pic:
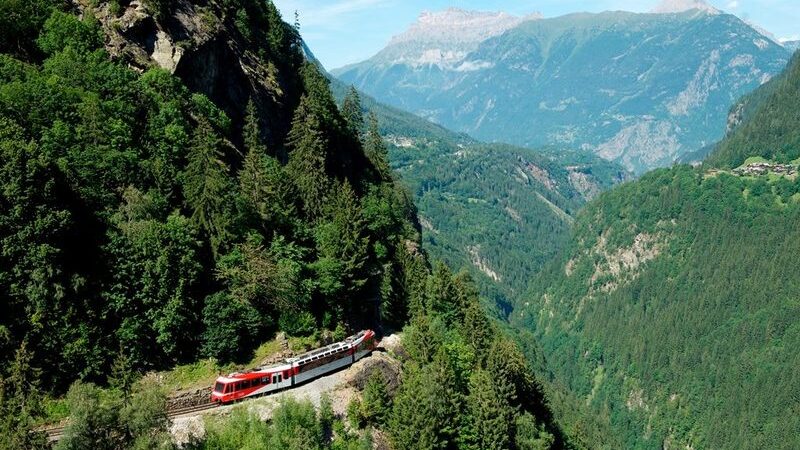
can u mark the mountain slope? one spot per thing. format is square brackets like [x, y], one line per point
[673, 313]
[496, 210]
[639, 89]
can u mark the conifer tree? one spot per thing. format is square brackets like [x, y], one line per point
[263, 185]
[490, 417]
[207, 185]
[20, 404]
[377, 402]
[426, 408]
[477, 329]
[353, 112]
[307, 160]
[441, 294]
[375, 149]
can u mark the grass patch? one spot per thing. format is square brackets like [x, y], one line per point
[193, 376]
[55, 410]
[203, 373]
[754, 160]
[263, 352]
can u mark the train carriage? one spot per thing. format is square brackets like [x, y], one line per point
[299, 369]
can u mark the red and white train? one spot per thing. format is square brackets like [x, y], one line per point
[293, 371]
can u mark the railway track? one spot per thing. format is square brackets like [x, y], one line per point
[55, 433]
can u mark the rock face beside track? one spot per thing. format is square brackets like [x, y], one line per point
[341, 387]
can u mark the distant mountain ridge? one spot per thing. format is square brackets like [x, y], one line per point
[637, 89]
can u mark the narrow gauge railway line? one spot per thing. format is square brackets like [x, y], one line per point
[55, 433]
[316, 364]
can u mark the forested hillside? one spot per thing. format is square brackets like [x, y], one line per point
[673, 311]
[179, 183]
[498, 211]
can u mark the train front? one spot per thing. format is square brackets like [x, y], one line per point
[222, 391]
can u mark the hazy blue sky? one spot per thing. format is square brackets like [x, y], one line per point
[340, 32]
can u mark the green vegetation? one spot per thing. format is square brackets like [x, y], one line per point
[294, 426]
[133, 225]
[698, 331]
[465, 384]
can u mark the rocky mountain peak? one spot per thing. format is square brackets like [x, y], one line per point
[678, 6]
[458, 25]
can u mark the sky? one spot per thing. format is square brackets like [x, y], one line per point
[341, 32]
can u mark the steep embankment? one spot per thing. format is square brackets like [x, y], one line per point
[674, 311]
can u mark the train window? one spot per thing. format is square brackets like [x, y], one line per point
[265, 380]
[219, 387]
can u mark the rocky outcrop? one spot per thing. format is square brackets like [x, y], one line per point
[202, 46]
[194, 397]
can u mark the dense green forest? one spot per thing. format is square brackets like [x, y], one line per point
[144, 224]
[671, 312]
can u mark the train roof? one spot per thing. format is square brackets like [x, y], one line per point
[347, 343]
[258, 371]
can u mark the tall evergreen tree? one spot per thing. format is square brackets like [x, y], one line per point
[207, 185]
[377, 402]
[20, 404]
[353, 112]
[375, 149]
[426, 408]
[263, 185]
[490, 417]
[307, 160]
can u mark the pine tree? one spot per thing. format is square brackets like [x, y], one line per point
[20, 404]
[251, 131]
[377, 402]
[505, 360]
[307, 160]
[263, 185]
[441, 295]
[477, 329]
[353, 112]
[490, 417]
[426, 408]
[375, 149]
[207, 185]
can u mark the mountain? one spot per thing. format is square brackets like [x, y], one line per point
[673, 311]
[474, 198]
[637, 89]
[791, 45]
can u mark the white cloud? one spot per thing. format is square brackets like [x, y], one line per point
[795, 37]
[733, 4]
